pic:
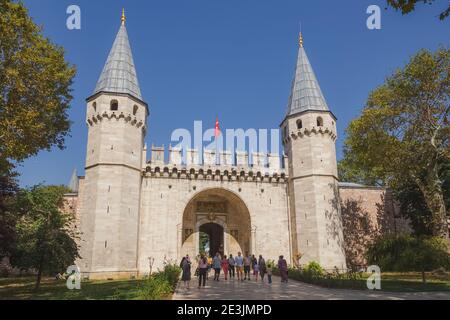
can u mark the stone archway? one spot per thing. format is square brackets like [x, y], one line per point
[222, 208]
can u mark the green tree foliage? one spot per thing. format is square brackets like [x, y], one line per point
[35, 94]
[403, 253]
[407, 6]
[35, 85]
[8, 188]
[204, 240]
[45, 235]
[403, 133]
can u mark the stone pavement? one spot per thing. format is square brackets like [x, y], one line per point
[294, 290]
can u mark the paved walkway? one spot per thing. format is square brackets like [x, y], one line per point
[294, 290]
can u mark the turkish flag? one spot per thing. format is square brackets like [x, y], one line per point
[217, 129]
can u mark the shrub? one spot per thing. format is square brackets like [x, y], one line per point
[156, 287]
[313, 273]
[160, 285]
[172, 274]
[313, 269]
[403, 253]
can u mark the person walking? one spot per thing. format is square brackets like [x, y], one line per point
[210, 261]
[254, 262]
[269, 273]
[239, 264]
[247, 263]
[202, 271]
[231, 263]
[186, 268]
[256, 271]
[225, 266]
[262, 267]
[282, 266]
[216, 264]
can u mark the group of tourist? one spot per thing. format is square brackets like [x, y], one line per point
[240, 266]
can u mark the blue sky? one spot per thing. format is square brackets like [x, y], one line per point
[197, 59]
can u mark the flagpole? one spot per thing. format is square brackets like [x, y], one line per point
[217, 144]
[217, 134]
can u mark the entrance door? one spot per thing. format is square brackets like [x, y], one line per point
[213, 235]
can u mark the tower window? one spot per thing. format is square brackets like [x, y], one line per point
[319, 122]
[135, 109]
[299, 124]
[94, 106]
[114, 105]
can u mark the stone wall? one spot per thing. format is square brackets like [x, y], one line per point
[367, 213]
[166, 200]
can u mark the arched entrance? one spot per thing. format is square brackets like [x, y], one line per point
[221, 215]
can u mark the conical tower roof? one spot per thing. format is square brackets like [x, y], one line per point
[119, 73]
[305, 93]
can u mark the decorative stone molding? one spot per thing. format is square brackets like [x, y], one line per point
[307, 132]
[214, 174]
[91, 121]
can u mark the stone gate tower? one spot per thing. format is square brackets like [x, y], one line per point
[116, 119]
[309, 139]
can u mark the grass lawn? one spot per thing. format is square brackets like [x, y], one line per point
[412, 281]
[22, 289]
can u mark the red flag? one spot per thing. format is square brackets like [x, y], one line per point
[217, 130]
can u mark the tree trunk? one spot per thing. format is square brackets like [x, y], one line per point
[39, 276]
[38, 281]
[431, 189]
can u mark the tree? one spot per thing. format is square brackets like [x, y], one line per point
[407, 6]
[8, 188]
[404, 253]
[35, 85]
[46, 240]
[403, 132]
[407, 194]
[35, 94]
[348, 172]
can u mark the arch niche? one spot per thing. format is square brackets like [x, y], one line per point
[223, 215]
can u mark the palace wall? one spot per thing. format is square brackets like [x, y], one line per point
[165, 197]
[367, 213]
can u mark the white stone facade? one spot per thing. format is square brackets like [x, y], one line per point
[133, 211]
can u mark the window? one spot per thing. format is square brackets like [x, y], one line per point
[94, 105]
[319, 122]
[299, 124]
[135, 109]
[114, 105]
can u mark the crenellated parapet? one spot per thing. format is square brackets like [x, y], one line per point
[307, 132]
[214, 173]
[95, 118]
[222, 167]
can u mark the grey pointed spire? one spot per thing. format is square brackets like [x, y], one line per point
[119, 73]
[305, 93]
[74, 182]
